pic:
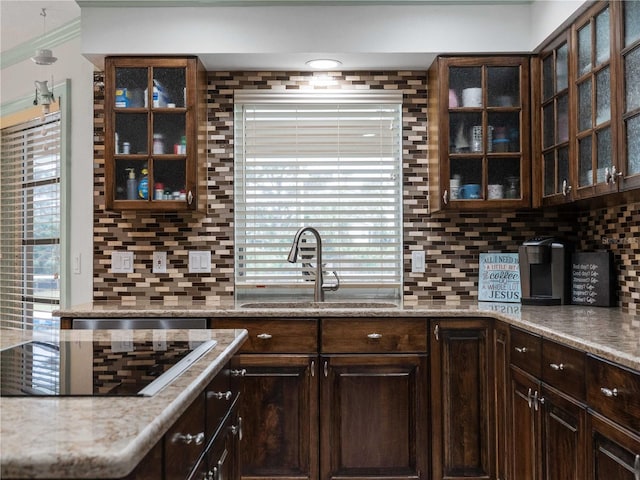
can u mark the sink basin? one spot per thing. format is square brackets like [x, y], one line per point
[298, 305]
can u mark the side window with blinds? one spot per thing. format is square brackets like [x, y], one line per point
[332, 162]
[30, 223]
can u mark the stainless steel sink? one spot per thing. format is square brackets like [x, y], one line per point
[298, 305]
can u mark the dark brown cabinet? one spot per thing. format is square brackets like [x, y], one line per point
[373, 417]
[153, 106]
[462, 399]
[614, 452]
[547, 422]
[502, 406]
[588, 106]
[479, 145]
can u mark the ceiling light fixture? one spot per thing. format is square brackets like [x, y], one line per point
[44, 56]
[323, 63]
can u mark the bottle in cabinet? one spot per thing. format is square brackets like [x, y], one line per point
[153, 105]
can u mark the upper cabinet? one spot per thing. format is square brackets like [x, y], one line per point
[588, 106]
[479, 137]
[151, 138]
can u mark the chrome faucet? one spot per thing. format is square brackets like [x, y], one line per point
[319, 288]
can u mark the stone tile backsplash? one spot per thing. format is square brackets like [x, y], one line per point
[452, 241]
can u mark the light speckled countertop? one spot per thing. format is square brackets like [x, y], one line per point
[607, 332]
[100, 437]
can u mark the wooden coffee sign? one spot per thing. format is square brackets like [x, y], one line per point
[499, 278]
[592, 279]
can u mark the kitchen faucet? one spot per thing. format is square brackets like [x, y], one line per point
[319, 288]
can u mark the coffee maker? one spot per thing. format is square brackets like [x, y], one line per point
[544, 271]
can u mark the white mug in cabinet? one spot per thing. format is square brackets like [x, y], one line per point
[472, 97]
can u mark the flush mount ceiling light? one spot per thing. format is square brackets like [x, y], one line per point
[323, 63]
[44, 56]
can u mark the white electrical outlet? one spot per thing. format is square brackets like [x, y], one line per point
[159, 262]
[199, 261]
[77, 263]
[122, 262]
[417, 261]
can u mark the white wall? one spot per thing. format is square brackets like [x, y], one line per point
[547, 15]
[16, 83]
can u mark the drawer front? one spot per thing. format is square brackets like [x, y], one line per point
[526, 351]
[614, 392]
[185, 441]
[389, 335]
[275, 335]
[563, 368]
[219, 397]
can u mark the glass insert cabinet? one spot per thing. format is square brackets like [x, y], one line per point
[479, 142]
[151, 150]
[590, 105]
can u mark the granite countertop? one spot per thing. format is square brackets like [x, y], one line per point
[607, 332]
[99, 437]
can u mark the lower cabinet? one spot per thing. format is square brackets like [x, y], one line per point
[279, 407]
[462, 399]
[614, 453]
[502, 407]
[524, 424]
[373, 417]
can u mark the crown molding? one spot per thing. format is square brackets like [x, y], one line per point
[51, 39]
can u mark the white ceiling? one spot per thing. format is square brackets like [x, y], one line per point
[21, 20]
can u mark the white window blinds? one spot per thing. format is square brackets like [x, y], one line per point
[332, 161]
[30, 224]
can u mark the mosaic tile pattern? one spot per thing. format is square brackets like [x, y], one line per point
[452, 241]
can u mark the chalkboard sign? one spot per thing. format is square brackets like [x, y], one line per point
[499, 278]
[592, 279]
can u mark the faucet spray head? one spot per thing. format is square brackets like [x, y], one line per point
[293, 253]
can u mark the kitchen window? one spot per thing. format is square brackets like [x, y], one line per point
[30, 223]
[332, 161]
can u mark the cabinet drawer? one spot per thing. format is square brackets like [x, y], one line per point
[185, 442]
[389, 335]
[526, 351]
[275, 335]
[563, 368]
[614, 391]
[219, 398]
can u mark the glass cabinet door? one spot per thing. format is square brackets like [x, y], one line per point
[485, 115]
[593, 83]
[631, 109]
[147, 162]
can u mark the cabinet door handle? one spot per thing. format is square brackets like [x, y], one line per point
[445, 197]
[636, 468]
[609, 392]
[326, 369]
[220, 395]
[264, 336]
[189, 197]
[557, 366]
[313, 368]
[188, 439]
[520, 349]
[566, 188]
[535, 400]
[239, 373]
[611, 177]
[529, 399]
[436, 332]
[374, 336]
[237, 429]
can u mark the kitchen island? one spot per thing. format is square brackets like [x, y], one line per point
[100, 437]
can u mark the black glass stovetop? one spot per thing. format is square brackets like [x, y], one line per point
[116, 367]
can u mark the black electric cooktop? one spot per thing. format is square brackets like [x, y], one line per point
[116, 367]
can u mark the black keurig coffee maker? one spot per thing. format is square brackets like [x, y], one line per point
[544, 271]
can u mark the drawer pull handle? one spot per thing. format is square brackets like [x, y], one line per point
[521, 349]
[636, 468]
[557, 366]
[436, 332]
[188, 439]
[220, 395]
[264, 336]
[239, 373]
[374, 336]
[609, 392]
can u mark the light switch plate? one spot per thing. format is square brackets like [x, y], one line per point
[122, 262]
[159, 262]
[199, 261]
[417, 261]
